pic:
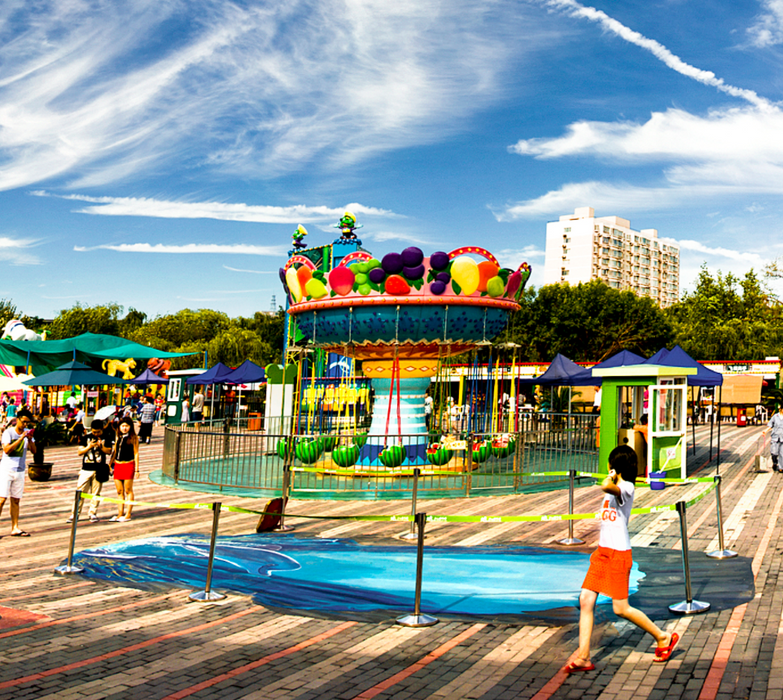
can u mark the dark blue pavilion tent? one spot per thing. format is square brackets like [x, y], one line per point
[247, 373]
[677, 357]
[149, 377]
[621, 359]
[559, 373]
[214, 375]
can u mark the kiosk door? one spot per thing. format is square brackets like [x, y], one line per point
[667, 430]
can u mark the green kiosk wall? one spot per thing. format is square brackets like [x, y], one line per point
[667, 403]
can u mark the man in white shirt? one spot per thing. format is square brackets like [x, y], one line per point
[16, 441]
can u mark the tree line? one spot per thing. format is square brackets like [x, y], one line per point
[723, 318]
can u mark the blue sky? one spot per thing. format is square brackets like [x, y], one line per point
[160, 154]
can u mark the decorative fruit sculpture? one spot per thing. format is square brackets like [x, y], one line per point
[360, 439]
[465, 273]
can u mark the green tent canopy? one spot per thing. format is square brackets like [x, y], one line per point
[45, 355]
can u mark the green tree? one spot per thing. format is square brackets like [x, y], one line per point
[86, 319]
[728, 318]
[589, 321]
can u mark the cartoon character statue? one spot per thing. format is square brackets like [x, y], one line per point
[15, 330]
[298, 237]
[347, 226]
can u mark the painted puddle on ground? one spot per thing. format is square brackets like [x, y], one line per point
[341, 576]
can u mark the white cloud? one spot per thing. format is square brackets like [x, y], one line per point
[96, 92]
[722, 154]
[660, 51]
[168, 209]
[16, 251]
[211, 248]
[744, 256]
[514, 257]
[768, 27]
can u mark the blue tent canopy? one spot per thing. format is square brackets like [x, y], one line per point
[214, 375]
[560, 373]
[677, 357]
[247, 373]
[621, 359]
[148, 377]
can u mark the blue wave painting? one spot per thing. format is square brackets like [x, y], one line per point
[341, 576]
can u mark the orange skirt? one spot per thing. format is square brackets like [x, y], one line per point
[609, 572]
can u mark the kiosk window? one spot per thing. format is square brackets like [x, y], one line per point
[668, 412]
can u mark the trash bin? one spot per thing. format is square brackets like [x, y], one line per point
[742, 418]
[657, 485]
[254, 421]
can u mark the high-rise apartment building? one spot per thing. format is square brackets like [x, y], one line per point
[581, 247]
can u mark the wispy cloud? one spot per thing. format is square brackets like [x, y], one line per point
[173, 209]
[16, 251]
[767, 30]
[719, 252]
[661, 52]
[255, 272]
[188, 248]
[97, 92]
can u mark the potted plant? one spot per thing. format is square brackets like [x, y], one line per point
[45, 435]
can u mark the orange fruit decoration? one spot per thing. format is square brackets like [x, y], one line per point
[304, 274]
[487, 270]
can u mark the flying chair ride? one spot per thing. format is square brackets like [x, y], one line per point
[399, 315]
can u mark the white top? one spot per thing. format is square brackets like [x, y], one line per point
[71, 402]
[615, 513]
[428, 405]
[14, 462]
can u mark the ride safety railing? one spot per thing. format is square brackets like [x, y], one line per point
[418, 521]
[350, 464]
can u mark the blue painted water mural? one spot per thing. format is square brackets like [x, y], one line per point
[332, 575]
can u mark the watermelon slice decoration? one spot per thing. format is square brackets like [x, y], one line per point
[281, 448]
[360, 439]
[345, 455]
[438, 455]
[393, 456]
[308, 451]
[502, 447]
[329, 442]
[481, 451]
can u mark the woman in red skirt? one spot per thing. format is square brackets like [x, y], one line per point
[126, 467]
[610, 564]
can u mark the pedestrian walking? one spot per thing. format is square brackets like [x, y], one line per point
[776, 439]
[610, 565]
[146, 420]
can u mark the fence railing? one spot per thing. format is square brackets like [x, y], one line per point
[237, 455]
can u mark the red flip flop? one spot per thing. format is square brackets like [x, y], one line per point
[571, 667]
[663, 653]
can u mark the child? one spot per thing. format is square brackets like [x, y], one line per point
[610, 564]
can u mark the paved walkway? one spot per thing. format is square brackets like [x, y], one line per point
[70, 637]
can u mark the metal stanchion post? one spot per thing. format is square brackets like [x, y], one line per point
[208, 594]
[411, 534]
[721, 552]
[69, 568]
[417, 618]
[177, 452]
[687, 606]
[570, 540]
[286, 490]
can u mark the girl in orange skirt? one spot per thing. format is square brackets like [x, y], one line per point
[610, 564]
[126, 467]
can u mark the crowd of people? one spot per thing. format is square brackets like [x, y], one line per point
[108, 447]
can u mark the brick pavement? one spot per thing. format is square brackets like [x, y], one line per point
[69, 637]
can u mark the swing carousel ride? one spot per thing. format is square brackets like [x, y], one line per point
[401, 316]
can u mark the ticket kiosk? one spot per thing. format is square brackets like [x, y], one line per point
[658, 393]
